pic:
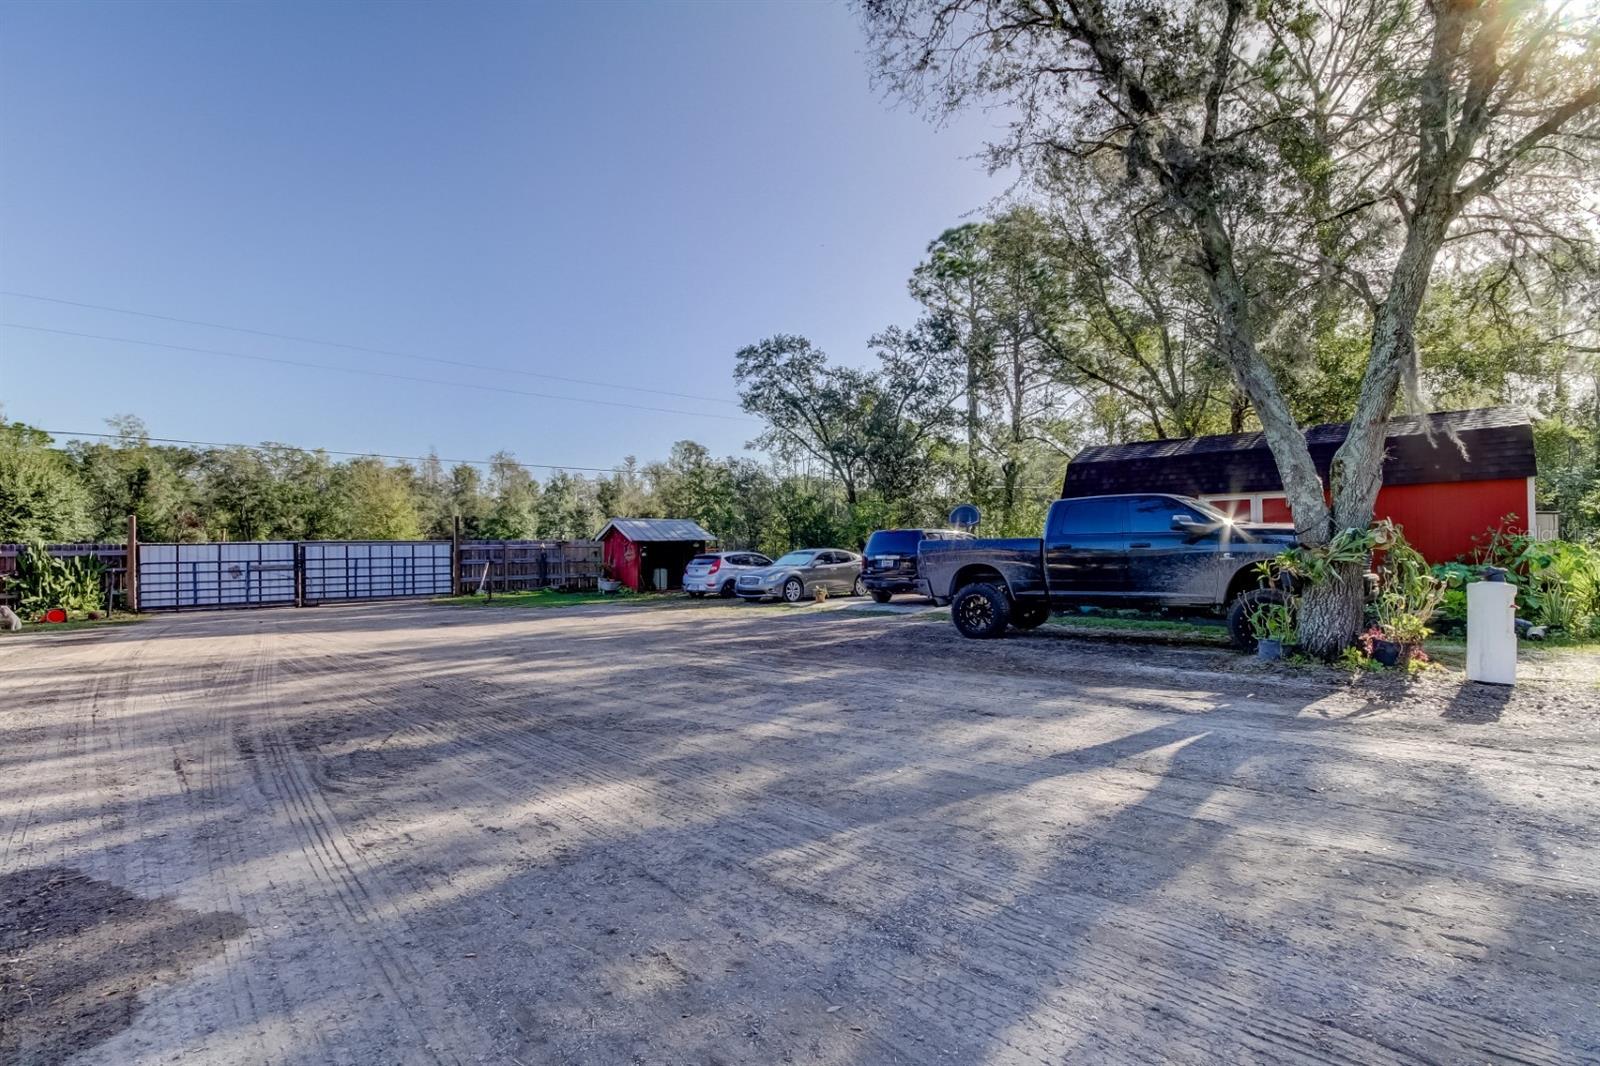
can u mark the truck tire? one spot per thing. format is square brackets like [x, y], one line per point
[881, 596]
[981, 611]
[1239, 615]
[1029, 616]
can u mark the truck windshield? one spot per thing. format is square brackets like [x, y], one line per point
[893, 542]
[1205, 508]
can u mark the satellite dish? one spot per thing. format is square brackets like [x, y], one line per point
[966, 517]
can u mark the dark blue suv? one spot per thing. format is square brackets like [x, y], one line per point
[889, 563]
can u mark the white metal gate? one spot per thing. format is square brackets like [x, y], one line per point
[242, 574]
[175, 577]
[338, 570]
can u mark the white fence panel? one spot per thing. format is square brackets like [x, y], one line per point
[375, 569]
[242, 574]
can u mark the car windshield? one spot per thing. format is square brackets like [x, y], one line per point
[893, 542]
[795, 559]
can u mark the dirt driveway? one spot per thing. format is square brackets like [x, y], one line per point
[737, 834]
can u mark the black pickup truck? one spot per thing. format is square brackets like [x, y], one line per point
[1121, 551]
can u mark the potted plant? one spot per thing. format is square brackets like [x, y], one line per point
[1272, 624]
[1408, 603]
[608, 579]
[1400, 632]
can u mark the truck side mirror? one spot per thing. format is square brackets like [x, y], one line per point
[1182, 523]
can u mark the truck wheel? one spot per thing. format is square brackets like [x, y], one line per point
[881, 596]
[1239, 615]
[793, 590]
[981, 611]
[1030, 616]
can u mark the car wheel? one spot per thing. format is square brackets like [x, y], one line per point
[726, 592]
[1239, 615]
[793, 590]
[1030, 616]
[882, 595]
[981, 611]
[858, 589]
[696, 595]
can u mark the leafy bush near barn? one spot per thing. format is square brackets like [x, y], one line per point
[42, 581]
[1558, 581]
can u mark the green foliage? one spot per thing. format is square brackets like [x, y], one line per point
[43, 582]
[1274, 621]
[39, 497]
[1355, 658]
[1316, 565]
[1558, 581]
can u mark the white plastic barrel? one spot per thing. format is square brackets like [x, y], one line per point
[1492, 632]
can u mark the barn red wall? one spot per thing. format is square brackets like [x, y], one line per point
[1440, 520]
[615, 553]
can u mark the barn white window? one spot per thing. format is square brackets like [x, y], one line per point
[1246, 506]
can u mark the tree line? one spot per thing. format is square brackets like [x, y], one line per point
[61, 491]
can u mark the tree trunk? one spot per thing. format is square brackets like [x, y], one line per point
[1330, 614]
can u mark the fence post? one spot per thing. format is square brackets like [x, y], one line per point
[455, 558]
[130, 566]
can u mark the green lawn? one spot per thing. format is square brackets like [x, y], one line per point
[74, 626]
[1174, 628]
[554, 598]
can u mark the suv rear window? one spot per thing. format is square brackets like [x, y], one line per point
[894, 542]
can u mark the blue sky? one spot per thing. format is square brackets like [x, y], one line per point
[619, 192]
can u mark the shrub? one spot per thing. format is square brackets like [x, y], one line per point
[1558, 581]
[42, 581]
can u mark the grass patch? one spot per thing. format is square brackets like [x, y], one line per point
[556, 598]
[1211, 633]
[73, 626]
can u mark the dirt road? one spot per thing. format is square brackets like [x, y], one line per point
[737, 834]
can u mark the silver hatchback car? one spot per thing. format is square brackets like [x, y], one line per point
[714, 573]
[796, 576]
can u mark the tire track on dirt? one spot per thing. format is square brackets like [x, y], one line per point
[599, 754]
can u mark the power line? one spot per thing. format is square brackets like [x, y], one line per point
[375, 373]
[327, 451]
[362, 348]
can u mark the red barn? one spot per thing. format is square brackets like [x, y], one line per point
[649, 554]
[1439, 496]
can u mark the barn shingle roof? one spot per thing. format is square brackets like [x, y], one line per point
[656, 529]
[1498, 443]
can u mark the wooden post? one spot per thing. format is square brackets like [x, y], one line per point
[455, 558]
[130, 566]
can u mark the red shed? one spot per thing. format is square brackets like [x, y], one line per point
[649, 554]
[1439, 496]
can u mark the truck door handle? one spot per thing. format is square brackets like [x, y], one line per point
[1140, 544]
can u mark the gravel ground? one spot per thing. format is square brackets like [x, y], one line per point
[738, 834]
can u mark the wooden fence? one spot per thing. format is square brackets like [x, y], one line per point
[519, 565]
[114, 557]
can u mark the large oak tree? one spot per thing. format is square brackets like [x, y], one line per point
[1351, 142]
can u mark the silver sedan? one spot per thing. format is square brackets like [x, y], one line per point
[796, 576]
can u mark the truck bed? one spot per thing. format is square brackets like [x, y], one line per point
[1020, 560]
